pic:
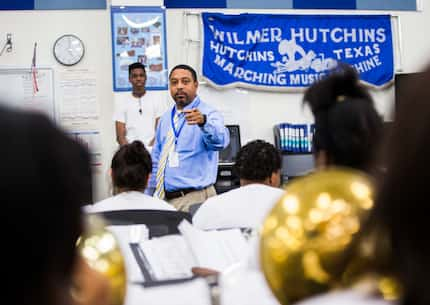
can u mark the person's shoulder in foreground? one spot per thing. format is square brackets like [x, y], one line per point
[45, 178]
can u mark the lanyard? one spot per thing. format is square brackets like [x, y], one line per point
[177, 132]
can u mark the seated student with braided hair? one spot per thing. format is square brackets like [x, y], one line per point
[258, 165]
[398, 222]
[348, 129]
[130, 169]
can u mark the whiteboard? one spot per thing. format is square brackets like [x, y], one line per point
[16, 90]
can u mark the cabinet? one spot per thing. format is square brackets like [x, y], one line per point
[297, 158]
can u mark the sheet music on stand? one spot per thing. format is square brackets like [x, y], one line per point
[215, 249]
[169, 259]
[164, 259]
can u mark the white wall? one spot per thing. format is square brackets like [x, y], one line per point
[257, 112]
[44, 27]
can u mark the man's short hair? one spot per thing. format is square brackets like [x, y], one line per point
[185, 67]
[257, 161]
[136, 65]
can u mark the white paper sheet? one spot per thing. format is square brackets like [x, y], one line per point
[216, 250]
[169, 257]
[79, 108]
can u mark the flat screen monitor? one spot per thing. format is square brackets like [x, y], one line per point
[228, 154]
[297, 165]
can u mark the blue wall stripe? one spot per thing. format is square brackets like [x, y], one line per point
[195, 3]
[69, 5]
[295, 4]
[387, 5]
[324, 4]
[277, 4]
[16, 5]
[51, 4]
[258, 4]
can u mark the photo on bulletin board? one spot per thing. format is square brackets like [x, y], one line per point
[139, 35]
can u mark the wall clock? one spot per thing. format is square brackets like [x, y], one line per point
[69, 50]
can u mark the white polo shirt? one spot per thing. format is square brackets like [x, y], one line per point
[140, 126]
[132, 200]
[244, 207]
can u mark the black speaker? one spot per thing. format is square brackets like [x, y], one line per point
[226, 178]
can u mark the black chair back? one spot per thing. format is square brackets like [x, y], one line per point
[159, 222]
[193, 208]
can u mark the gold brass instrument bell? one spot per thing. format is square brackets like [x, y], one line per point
[101, 253]
[304, 237]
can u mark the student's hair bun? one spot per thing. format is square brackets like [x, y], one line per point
[134, 152]
[341, 84]
[347, 125]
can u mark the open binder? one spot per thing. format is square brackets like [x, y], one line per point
[169, 259]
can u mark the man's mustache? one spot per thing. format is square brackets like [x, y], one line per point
[180, 93]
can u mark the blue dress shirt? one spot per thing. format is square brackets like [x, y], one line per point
[197, 149]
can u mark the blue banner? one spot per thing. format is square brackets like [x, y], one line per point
[278, 52]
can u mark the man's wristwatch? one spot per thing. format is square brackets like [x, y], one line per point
[204, 121]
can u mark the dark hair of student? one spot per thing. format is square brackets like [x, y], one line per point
[347, 125]
[257, 160]
[131, 166]
[45, 179]
[136, 65]
[185, 67]
[401, 206]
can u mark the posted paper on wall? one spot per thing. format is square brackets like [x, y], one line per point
[79, 109]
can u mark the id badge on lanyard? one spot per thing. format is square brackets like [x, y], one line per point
[174, 155]
[173, 159]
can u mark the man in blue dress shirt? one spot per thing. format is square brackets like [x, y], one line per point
[187, 141]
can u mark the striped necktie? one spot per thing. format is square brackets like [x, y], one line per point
[169, 146]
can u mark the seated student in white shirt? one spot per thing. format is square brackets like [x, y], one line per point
[258, 165]
[130, 169]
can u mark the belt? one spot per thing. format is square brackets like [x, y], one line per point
[180, 193]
